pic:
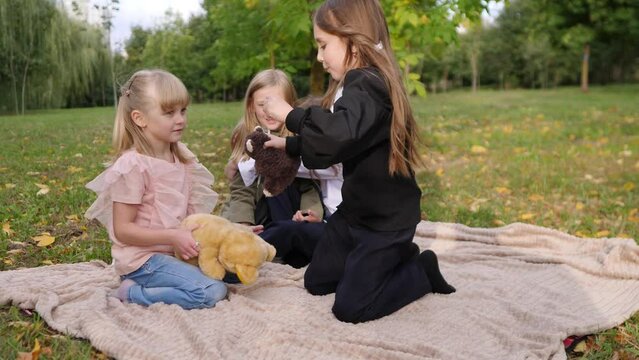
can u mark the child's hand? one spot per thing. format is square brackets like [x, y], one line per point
[306, 216]
[276, 108]
[276, 142]
[257, 229]
[230, 170]
[184, 243]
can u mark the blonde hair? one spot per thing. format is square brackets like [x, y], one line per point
[144, 90]
[248, 121]
[362, 25]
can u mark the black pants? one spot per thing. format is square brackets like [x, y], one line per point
[294, 241]
[372, 273]
[280, 207]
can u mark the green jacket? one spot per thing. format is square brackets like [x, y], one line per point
[242, 201]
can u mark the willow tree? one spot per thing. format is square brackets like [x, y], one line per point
[23, 24]
[49, 59]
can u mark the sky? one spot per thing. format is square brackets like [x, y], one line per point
[147, 13]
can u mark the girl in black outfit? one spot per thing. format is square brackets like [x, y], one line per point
[367, 255]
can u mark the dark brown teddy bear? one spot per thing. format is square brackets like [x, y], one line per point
[276, 167]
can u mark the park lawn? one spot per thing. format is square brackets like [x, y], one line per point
[555, 158]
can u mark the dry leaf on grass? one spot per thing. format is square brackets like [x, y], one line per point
[44, 239]
[6, 228]
[44, 189]
[33, 355]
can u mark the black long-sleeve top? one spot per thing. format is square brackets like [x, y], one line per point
[357, 134]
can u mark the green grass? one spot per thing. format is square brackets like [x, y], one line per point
[555, 158]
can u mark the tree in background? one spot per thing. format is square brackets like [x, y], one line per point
[48, 58]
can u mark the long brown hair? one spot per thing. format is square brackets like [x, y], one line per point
[248, 122]
[362, 25]
[145, 89]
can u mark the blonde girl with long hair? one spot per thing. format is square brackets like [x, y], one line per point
[367, 256]
[291, 221]
[154, 182]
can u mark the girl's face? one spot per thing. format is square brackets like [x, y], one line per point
[162, 127]
[331, 52]
[259, 98]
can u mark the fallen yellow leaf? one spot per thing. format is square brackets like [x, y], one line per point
[478, 149]
[527, 216]
[35, 352]
[8, 262]
[602, 233]
[439, 172]
[33, 355]
[535, 197]
[6, 228]
[579, 206]
[72, 169]
[581, 234]
[73, 217]
[44, 239]
[628, 186]
[581, 347]
[9, 186]
[44, 189]
[503, 190]
[47, 262]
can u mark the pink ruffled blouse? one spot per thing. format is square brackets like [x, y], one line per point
[164, 192]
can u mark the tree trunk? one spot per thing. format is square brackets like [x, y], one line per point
[584, 68]
[14, 85]
[24, 83]
[445, 79]
[473, 66]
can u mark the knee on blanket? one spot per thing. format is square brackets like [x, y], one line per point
[211, 294]
[346, 312]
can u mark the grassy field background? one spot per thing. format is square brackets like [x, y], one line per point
[554, 158]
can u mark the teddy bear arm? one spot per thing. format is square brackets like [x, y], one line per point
[273, 187]
[210, 265]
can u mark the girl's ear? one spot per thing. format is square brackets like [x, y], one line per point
[138, 118]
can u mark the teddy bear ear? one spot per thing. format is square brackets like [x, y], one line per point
[249, 146]
[247, 274]
[258, 128]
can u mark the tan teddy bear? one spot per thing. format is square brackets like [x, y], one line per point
[225, 246]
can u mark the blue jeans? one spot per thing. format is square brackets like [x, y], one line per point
[166, 279]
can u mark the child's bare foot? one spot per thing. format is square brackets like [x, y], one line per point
[428, 260]
[122, 292]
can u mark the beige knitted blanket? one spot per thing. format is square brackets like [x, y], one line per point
[521, 289]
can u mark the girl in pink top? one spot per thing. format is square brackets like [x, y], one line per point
[153, 183]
